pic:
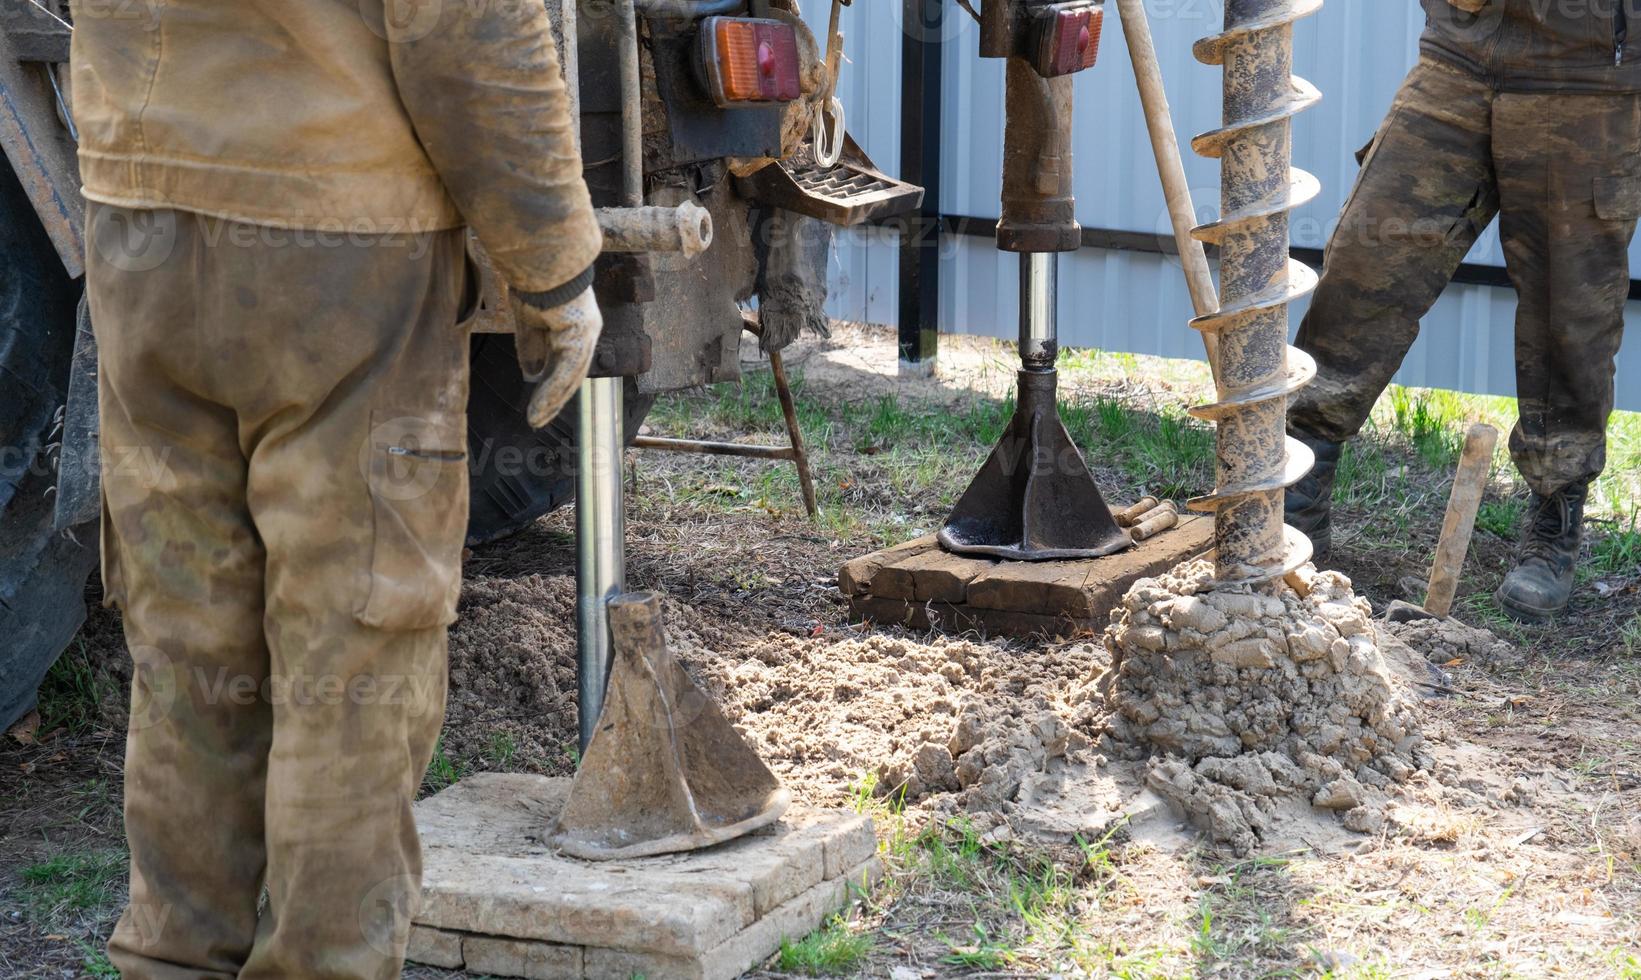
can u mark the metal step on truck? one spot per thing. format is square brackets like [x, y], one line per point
[716, 153]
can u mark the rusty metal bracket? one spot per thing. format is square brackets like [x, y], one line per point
[41, 151]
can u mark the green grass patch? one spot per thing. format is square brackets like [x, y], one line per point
[500, 750]
[71, 886]
[443, 772]
[1626, 964]
[74, 694]
[1618, 552]
[832, 950]
[984, 953]
[1502, 517]
[1432, 421]
[94, 959]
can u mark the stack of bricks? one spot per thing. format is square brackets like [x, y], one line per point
[497, 901]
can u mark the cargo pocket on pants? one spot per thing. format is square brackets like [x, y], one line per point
[417, 474]
[1618, 198]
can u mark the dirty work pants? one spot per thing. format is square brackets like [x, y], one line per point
[285, 498]
[1564, 173]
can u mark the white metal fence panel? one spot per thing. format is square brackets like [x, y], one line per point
[1355, 52]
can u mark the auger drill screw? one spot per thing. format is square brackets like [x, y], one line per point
[1256, 370]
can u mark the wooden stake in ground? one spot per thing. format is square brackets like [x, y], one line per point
[1468, 485]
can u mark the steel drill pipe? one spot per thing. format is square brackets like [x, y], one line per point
[685, 229]
[1256, 369]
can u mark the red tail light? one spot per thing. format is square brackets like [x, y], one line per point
[747, 60]
[1066, 38]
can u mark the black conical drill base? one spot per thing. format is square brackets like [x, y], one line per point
[1034, 499]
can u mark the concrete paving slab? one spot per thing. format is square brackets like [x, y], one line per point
[514, 907]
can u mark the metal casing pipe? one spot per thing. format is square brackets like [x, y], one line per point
[1039, 325]
[601, 553]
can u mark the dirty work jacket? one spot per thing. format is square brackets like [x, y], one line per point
[326, 115]
[1539, 45]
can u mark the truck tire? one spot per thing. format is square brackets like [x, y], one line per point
[43, 572]
[518, 473]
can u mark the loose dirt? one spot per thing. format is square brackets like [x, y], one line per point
[1450, 642]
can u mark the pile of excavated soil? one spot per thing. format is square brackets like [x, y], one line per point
[948, 722]
[513, 673]
[1265, 720]
[928, 717]
[1443, 641]
[1244, 706]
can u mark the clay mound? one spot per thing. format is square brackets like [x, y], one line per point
[1246, 705]
[1445, 640]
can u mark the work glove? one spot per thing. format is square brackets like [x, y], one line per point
[555, 349]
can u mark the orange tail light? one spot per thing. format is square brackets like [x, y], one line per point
[746, 61]
[1067, 38]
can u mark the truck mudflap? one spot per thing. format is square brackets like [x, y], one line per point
[79, 470]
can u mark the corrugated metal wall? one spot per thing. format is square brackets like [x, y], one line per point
[1355, 52]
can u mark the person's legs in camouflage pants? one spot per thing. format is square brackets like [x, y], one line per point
[1570, 192]
[285, 498]
[1425, 193]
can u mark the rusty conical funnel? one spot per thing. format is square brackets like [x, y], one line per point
[665, 770]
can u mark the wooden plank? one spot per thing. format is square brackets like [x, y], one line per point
[1054, 588]
[1088, 590]
[888, 612]
[944, 577]
[855, 577]
[932, 574]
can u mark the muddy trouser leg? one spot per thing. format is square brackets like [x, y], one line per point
[1570, 192]
[344, 371]
[182, 557]
[1426, 191]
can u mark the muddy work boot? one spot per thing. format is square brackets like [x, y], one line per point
[1309, 504]
[1542, 582]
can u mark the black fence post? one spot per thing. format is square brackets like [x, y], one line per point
[920, 63]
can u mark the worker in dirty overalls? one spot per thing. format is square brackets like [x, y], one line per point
[1528, 109]
[277, 193]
